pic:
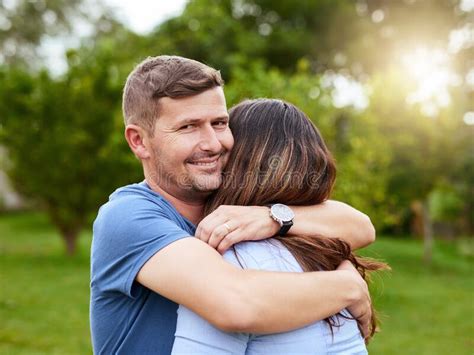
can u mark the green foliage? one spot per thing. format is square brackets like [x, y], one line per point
[64, 142]
[331, 34]
[24, 23]
[426, 153]
[446, 204]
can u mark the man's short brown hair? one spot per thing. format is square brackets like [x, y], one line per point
[163, 76]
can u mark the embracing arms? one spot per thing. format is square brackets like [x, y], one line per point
[331, 219]
[248, 300]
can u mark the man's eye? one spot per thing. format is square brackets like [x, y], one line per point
[220, 123]
[188, 126]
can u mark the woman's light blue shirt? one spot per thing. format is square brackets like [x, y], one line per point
[194, 335]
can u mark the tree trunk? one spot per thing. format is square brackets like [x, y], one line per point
[421, 225]
[70, 235]
[427, 235]
[69, 229]
[417, 219]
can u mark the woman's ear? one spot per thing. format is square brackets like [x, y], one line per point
[137, 138]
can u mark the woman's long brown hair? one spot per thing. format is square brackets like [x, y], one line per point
[280, 157]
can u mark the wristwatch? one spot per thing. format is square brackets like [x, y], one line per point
[283, 215]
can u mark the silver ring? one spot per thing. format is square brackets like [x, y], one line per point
[228, 227]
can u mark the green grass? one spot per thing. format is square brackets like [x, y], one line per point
[44, 295]
[425, 309]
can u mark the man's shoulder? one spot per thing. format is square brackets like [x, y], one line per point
[133, 204]
[131, 198]
[134, 193]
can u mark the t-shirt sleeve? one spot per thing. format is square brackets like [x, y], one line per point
[127, 233]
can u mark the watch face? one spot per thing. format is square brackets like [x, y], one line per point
[282, 212]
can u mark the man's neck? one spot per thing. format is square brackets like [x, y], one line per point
[189, 208]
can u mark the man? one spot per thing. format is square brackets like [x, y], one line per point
[143, 260]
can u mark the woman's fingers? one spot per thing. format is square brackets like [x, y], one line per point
[219, 233]
[209, 224]
[250, 222]
[229, 240]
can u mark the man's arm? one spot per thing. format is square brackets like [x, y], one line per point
[229, 225]
[334, 219]
[191, 273]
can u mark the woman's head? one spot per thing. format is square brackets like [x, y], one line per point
[278, 156]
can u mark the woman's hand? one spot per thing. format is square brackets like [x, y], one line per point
[229, 225]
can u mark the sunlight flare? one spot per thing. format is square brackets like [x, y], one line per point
[429, 69]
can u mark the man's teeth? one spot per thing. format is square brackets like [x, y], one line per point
[205, 164]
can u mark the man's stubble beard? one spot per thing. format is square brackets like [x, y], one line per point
[187, 183]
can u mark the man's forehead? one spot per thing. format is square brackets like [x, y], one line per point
[209, 96]
[208, 104]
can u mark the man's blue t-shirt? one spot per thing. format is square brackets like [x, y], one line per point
[126, 317]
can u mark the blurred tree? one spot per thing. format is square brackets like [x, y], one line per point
[64, 139]
[24, 24]
[355, 36]
[427, 153]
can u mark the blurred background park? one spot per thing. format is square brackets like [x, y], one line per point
[390, 84]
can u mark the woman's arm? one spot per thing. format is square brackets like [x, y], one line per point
[229, 225]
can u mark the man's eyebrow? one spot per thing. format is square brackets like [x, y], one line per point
[186, 121]
[226, 117]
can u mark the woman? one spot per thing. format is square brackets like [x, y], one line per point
[278, 157]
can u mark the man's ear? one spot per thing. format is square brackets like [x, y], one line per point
[137, 139]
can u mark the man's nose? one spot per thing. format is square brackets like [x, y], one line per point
[209, 140]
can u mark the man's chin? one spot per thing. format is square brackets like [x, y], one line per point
[207, 185]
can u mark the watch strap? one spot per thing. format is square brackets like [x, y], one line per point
[285, 227]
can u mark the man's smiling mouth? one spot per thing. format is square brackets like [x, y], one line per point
[205, 160]
[208, 162]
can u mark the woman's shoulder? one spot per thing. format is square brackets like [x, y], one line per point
[268, 254]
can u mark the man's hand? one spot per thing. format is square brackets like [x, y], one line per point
[361, 309]
[228, 225]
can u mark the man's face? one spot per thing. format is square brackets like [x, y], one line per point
[191, 144]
